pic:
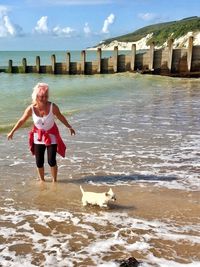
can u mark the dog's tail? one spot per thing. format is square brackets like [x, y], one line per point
[81, 189]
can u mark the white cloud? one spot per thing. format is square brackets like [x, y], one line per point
[7, 28]
[63, 32]
[3, 10]
[42, 25]
[147, 16]
[87, 29]
[108, 21]
[43, 28]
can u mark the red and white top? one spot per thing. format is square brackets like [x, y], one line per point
[44, 123]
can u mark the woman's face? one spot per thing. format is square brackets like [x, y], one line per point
[42, 97]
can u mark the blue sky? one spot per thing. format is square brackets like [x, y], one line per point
[78, 24]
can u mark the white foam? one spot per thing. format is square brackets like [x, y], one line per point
[17, 162]
[166, 263]
[138, 246]
[99, 242]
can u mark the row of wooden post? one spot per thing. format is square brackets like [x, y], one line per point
[82, 62]
[114, 58]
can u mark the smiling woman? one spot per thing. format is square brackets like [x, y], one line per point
[45, 133]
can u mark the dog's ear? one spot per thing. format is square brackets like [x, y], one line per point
[110, 192]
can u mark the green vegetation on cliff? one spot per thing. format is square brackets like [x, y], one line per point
[162, 31]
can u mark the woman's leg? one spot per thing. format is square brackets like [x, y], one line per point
[39, 156]
[51, 153]
[54, 172]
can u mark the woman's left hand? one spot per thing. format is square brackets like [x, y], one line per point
[72, 131]
[10, 135]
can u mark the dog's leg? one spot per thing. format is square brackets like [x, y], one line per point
[84, 202]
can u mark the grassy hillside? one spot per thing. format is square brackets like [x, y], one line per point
[162, 31]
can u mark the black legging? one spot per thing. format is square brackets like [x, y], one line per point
[39, 154]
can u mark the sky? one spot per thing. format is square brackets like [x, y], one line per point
[79, 24]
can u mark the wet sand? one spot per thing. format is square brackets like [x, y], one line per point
[150, 223]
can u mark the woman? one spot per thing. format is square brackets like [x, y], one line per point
[45, 133]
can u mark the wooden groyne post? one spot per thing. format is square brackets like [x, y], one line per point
[189, 53]
[24, 65]
[53, 64]
[68, 60]
[133, 54]
[83, 60]
[38, 64]
[170, 54]
[151, 56]
[10, 66]
[99, 53]
[115, 59]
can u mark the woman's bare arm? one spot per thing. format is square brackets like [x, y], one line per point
[20, 122]
[62, 118]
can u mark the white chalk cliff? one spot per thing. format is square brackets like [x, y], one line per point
[181, 42]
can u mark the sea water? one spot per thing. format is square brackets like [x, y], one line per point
[138, 134]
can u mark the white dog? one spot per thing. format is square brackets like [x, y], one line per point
[100, 199]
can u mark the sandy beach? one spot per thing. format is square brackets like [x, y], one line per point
[153, 225]
[138, 135]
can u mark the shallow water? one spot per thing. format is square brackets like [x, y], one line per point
[137, 134]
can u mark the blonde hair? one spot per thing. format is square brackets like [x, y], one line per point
[40, 88]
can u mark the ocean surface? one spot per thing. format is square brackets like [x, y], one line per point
[139, 135]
